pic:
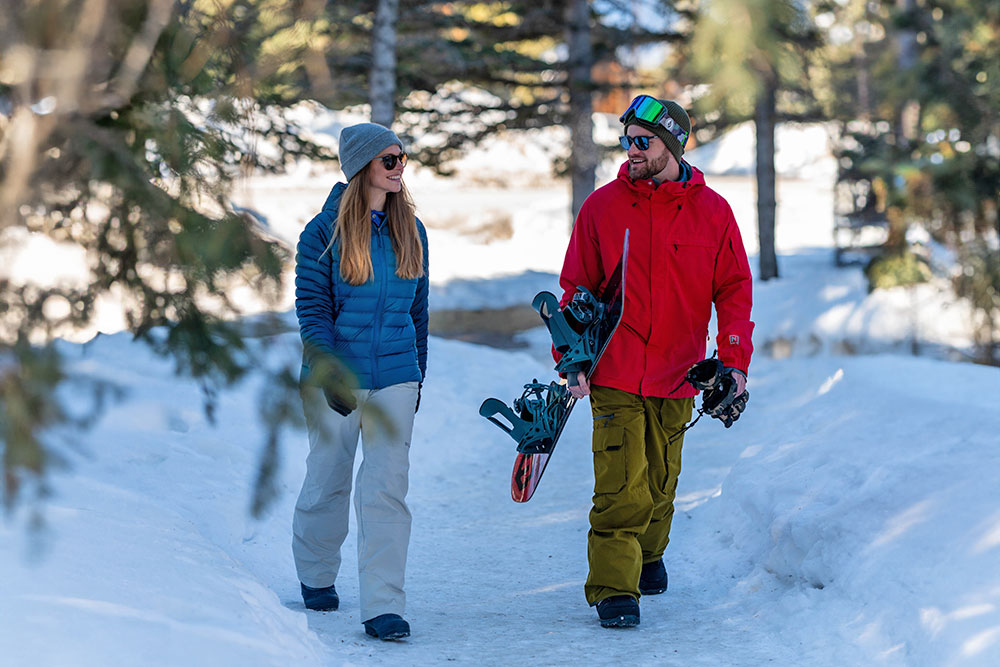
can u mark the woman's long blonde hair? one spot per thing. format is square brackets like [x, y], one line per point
[354, 229]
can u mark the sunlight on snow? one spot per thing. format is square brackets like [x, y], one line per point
[992, 537]
[901, 523]
[981, 642]
[554, 587]
[835, 292]
[935, 620]
[688, 501]
[831, 381]
[558, 517]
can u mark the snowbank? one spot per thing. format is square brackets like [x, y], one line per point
[848, 518]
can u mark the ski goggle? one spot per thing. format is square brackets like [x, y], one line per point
[649, 110]
[642, 143]
[389, 161]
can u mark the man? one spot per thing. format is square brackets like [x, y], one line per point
[685, 254]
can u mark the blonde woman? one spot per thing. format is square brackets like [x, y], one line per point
[361, 303]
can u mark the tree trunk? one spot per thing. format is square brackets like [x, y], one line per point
[764, 120]
[382, 85]
[583, 159]
[908, 113]
[907, 118]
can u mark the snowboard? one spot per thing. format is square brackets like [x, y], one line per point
[580, 332]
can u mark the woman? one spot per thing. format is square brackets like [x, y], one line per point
[361, 302]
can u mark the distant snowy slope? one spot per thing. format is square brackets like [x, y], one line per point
[800, 151]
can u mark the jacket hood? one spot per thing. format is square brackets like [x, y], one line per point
[333, 199]
[697, 180]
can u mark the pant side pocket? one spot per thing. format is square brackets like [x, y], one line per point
[609, 457]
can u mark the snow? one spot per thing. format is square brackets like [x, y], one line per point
[850, 517]
[801, 150]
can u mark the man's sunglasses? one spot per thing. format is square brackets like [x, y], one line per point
[389, 161]
[642, 143]
[649, 110]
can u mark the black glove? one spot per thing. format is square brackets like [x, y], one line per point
[718, 387]
[341, 403]
[419, 387]
[706, 374]
[722, 403]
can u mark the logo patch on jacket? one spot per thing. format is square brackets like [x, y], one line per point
[734, 339]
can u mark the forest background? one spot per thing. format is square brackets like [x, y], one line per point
[126, 124]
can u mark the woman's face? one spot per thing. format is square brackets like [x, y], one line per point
[383, 179]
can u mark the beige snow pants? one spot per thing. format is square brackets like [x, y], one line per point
[384, 420]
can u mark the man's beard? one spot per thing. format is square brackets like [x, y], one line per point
[648, 169]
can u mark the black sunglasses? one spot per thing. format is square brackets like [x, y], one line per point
[642, 143]
[389, 161]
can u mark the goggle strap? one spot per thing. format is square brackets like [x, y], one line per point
[650, 110]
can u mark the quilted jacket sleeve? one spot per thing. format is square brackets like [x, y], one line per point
[418, 311]
[732, 292]
[314, 302]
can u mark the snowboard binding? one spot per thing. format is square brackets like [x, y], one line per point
[535, 418]
[575, 329]
[580, 332]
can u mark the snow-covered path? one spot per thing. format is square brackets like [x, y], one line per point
[492, 581]
[849, 518]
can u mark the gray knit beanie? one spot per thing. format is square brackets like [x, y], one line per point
[361, 143]
[680, 117]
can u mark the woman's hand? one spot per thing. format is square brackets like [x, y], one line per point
[342, 403]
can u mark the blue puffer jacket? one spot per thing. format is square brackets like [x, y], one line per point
[379, 329]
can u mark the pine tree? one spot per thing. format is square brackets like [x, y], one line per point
[533, 59]
[123, 125]
[749, 53]
[925, 138]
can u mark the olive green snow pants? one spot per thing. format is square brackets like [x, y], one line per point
[635, 481]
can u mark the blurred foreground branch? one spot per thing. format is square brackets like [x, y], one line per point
[123, 126]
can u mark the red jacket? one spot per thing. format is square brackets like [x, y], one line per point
[685, 253]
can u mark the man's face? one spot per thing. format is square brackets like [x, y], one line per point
[655, 162]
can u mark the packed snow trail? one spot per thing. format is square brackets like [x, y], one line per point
[489, 579]
[849, 517]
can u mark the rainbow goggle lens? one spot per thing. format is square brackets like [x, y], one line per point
[649, 110]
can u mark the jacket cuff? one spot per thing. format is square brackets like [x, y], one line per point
[740, 362]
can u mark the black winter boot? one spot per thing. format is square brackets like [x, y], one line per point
[320, 599]
[653, 579]
[618, 611]
[387, 626]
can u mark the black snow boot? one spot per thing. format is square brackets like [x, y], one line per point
[618, 611]
[320, 599]
[387, 626]
[653, 579]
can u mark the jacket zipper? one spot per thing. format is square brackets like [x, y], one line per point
[379, 306]
[649, 276]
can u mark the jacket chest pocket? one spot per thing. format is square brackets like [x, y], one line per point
[695, 258]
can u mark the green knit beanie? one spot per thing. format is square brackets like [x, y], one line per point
[679, 116]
